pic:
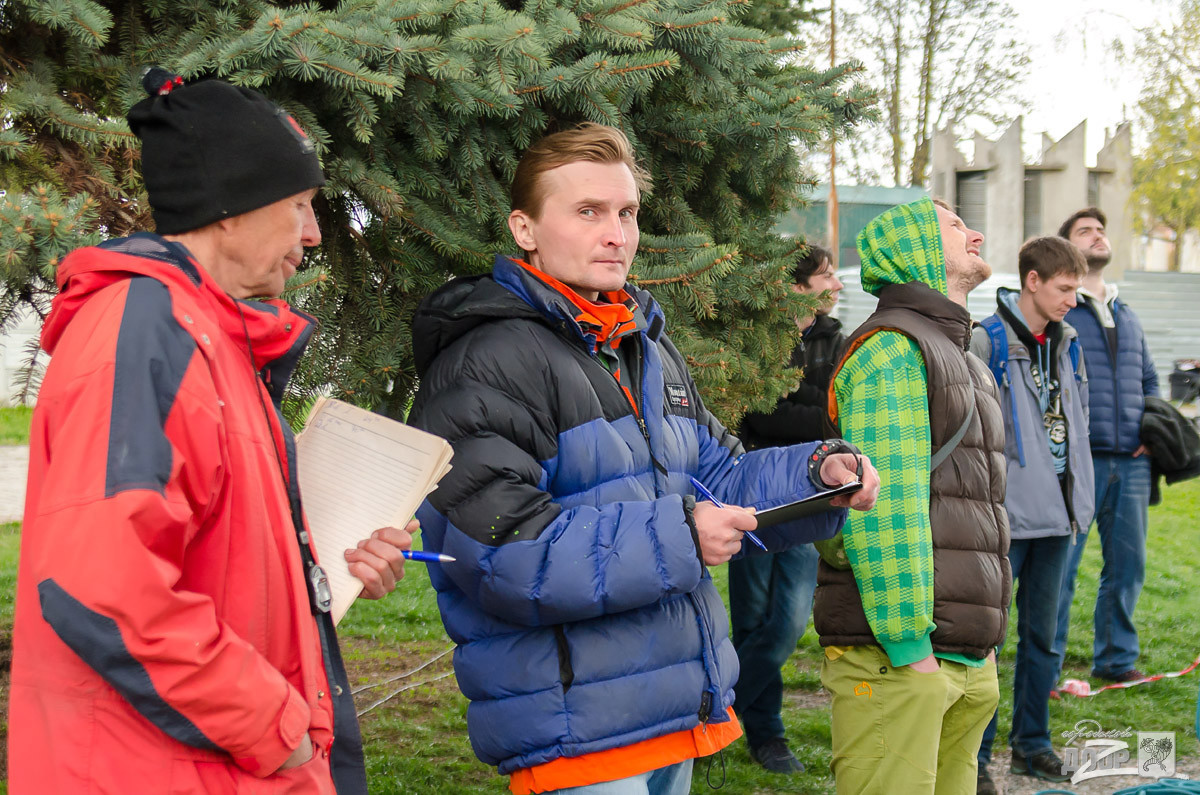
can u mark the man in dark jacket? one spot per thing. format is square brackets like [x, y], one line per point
[1120, 376]
[592, 643]
[770, 596]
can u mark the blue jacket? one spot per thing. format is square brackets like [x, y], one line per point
[584, 617]
[1036, 503]
[1117, 386]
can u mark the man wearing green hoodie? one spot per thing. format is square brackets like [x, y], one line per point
[911, 614]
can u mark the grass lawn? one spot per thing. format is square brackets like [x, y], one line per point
[14, 424]
[416, 741]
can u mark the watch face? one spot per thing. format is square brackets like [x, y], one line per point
[322, 594]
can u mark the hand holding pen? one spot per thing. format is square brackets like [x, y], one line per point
[379, 560]
[720, 528]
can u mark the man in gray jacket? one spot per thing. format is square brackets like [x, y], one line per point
[1036, 359]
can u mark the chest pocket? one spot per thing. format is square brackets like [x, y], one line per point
[678, 399]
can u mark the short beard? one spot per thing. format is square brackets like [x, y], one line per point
[1096, 262]
[967, 280]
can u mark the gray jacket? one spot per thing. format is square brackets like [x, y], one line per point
[1037, 506]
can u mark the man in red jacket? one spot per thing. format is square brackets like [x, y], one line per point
[172, 632]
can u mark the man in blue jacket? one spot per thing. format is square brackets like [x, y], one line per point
[592, 643]
[1043, 397]
[1120, 376]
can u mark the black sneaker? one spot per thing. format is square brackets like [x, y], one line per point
[1044, 765]
[984, 784]
[775, 756]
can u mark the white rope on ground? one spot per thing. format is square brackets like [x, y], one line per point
[1083, 689]
[395, 693]
[420, 667]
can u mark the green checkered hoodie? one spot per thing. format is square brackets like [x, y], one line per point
[883, 407]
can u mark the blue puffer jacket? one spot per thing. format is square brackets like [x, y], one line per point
[1116, 393]
[583, 615]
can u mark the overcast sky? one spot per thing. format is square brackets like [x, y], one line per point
[1075, 74]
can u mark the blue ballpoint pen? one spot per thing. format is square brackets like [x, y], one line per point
[427, 557]
[708, 495]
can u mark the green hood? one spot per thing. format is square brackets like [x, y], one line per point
[903, 245]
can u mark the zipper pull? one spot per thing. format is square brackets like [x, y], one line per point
[705, 707]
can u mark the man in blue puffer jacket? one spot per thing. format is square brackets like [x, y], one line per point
[1120, 376]
[591, 642]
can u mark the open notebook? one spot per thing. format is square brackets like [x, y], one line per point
[358, 472]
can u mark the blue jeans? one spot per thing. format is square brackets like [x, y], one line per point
[770, 598]
[672, 780]
[1037, 569]
[1122, 506]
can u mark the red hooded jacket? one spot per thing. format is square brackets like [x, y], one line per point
[163, 638]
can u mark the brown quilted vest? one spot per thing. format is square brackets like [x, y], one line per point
[972, 581]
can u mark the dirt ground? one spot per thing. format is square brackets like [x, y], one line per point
[1009, 784]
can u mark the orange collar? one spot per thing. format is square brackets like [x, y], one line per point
[608, 320]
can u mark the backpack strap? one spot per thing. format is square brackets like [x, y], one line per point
[998, 364]
[998, 357]
[946, 449]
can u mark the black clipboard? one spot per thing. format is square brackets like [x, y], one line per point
[809, 506]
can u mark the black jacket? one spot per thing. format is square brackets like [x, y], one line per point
[800, 417]
[1172, 443]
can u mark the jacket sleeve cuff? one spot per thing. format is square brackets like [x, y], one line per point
[264, 758]
[689, 508]
[907, 652]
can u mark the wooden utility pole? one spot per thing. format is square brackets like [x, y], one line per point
[834, 242]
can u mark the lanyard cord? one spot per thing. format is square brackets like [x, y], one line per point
[1044, 364]
[319, 599]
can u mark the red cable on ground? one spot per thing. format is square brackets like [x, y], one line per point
[1083, 689]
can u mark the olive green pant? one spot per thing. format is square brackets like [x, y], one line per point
[896, 730]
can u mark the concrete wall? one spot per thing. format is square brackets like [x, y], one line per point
[944, 161]
[1157, 250]
[1065, 178]
[13, 351]
[1114, 167]
[1005, 201]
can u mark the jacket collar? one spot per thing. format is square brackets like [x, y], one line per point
[277, 333]
[822, 327]
[592, 324]
[1010, 312]
[953, 320]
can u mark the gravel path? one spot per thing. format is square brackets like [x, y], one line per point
[14, 463]
[1009, 784]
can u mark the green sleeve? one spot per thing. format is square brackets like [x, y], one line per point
[883, 408]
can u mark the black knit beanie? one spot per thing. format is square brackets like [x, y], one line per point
[211, 150]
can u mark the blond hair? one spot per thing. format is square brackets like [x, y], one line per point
[588, 142]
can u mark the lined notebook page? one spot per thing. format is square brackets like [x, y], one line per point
[358, 472]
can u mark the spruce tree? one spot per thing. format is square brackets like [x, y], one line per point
[420, 110]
